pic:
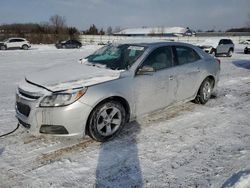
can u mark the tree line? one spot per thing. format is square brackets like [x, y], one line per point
[52, 31]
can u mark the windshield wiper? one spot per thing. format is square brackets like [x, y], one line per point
[96, 65]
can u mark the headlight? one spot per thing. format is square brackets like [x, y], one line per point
[62, 98]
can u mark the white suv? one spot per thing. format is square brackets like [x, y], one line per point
[218, 47]
[15, 43]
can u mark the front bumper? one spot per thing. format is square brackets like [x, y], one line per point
[59, 121]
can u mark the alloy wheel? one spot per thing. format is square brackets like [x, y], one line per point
[108, 121]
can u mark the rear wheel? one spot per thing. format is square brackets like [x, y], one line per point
[25, 47]
[106, 121]
[205, 91]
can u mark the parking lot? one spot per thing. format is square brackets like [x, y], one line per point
[188, 145]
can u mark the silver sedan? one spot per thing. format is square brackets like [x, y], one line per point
[114, 85]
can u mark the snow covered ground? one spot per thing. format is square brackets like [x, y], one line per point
[184, 146]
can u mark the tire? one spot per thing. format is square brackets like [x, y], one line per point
[213, 52]
[3, 47]
[25, 47]
[204, 92]
[106, 121]
[230, 53]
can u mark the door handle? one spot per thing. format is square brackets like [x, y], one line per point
[171, 77]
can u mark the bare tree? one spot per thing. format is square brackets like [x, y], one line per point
[248, 20]
[58, 22]
[109, 30]
[117, 29]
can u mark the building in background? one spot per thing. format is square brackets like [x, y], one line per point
[156, 31]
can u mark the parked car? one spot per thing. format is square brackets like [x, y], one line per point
[69, 44]
[245, 42]
[218, 47]
[15, 43]
[116, 84]
[247, 50]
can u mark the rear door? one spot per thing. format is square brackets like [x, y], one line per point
[19, 43]
[187, 71]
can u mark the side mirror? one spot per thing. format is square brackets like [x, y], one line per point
[146, 70]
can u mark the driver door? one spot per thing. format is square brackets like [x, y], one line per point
[155, 90]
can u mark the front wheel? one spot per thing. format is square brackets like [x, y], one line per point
[213, 52]
[106, 121]
[205, 91]
[3, 48]
[230, 53]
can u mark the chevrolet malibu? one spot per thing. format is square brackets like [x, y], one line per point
[114, 85]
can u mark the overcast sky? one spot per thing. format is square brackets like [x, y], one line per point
[196, 14]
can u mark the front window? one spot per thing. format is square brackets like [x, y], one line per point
[117, 57]
[161, 58]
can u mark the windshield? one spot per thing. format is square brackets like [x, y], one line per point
[117, 57]
[5, 40]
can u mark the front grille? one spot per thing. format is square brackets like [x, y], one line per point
[23, 109]
[29, 96]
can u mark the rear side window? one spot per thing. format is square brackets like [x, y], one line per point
[186, 55]
[19, 40]
[229, 42]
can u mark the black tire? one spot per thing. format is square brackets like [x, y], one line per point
[213, 52]
[230, 53]
[3, 47]
[201, 97]
[98, 120]
[25, 47]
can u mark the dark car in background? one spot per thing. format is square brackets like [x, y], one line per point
[69, 44]
[247, 49]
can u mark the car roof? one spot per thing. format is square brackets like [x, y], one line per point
[155, 44]
[16, 38]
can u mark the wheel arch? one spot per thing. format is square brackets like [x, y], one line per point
[211, 77]
[119, 99]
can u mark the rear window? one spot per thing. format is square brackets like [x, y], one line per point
[226, 41]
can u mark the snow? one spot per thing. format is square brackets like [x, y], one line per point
[188, 145]
[72, 75]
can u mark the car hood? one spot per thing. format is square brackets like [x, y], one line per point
[72, 76]
[208, 43]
